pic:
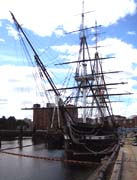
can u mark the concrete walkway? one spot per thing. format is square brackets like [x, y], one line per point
[129, 166]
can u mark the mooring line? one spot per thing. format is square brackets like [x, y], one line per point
[4, 151]
[52, 158]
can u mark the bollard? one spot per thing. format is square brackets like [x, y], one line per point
[0, 142]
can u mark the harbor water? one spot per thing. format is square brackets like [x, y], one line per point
[16, 167]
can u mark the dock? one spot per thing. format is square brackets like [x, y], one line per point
[126, 164]
[129, 167]
[124, 167]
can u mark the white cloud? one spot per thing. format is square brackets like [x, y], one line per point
[131, 32]
[2, 40]
[44, 16]
[125, 54]
[12, 32]
[18, 89]
[109, 12]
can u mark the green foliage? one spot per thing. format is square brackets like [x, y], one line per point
[11, 123]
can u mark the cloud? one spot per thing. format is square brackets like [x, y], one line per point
[131, 32]
[118, 48]
[12, 32]
[45, 16]
[18, 86]
[2, 40]
[109, 12]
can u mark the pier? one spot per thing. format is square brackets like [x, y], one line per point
[124, 167]
[129, 165]
[126, 164]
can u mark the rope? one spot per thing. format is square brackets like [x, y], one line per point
[51, 158]
[4, 151]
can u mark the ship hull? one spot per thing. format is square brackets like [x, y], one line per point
[89, 142]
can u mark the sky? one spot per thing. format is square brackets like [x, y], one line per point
[47, 24]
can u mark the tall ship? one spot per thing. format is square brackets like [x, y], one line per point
[92, 131]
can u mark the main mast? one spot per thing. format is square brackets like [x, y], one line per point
[84, 65]
[86, 81]
[83, 79]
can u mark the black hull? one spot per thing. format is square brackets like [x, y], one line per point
[91, 148]
[84, 141]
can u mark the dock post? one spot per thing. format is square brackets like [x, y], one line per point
[20, 138]
[0, 142]
[34, 138]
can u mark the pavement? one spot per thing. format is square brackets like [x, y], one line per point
[129, 165]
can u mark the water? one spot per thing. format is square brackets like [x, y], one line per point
[24, 168]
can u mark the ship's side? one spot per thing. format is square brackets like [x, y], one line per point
[86, 140]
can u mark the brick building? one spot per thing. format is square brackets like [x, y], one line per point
[126, 122]
[50, 117]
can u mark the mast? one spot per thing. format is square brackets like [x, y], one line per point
[84, 66]
[81, 70]
[91, 87]
[84, 80]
